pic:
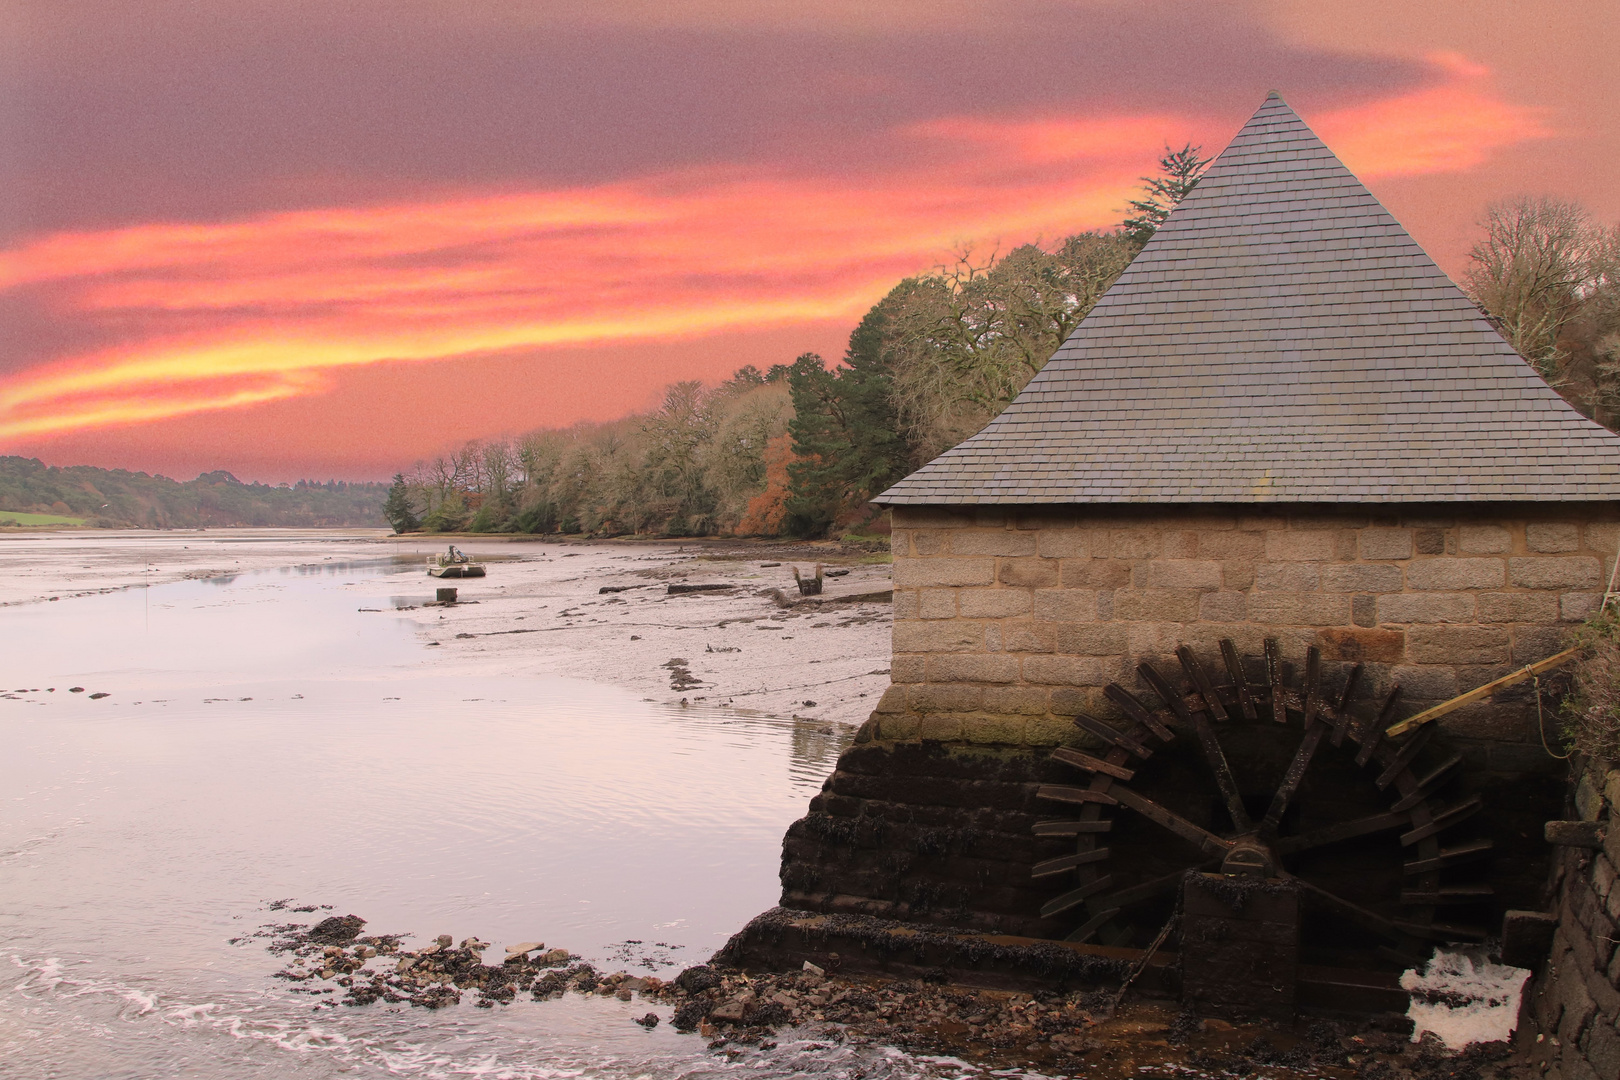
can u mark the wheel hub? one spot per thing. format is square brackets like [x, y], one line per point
[1251, 858]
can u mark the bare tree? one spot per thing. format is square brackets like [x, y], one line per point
[964, 341]
[1528, 275]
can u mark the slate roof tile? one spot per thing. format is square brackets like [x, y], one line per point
[1280, 339]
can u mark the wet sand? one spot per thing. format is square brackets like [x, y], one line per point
[541, 611]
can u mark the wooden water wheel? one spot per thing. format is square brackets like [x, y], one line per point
[1249, 776]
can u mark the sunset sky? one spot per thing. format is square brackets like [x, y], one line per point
[318, 238]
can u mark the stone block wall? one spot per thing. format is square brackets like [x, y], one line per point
[1009, 622]
[1577, 996]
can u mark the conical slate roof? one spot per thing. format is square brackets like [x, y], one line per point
[1280, 339]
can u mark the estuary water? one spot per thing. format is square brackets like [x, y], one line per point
[241, 747]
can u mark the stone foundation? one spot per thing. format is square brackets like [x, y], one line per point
[1576, 1000]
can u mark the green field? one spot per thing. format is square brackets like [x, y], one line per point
[32, 521]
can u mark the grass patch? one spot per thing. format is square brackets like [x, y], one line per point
[18, 519]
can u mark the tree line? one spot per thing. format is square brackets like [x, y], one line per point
[119, 499]
[800, 448]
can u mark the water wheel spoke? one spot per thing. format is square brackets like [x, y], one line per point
[1064, 793]
[1344, 830]
[1137, 711]
[1068, 827]
[1274, 681]
[1341, 722]
[1091, 764]
[1240, 683]
[1085, 930]
[1444, 820]
[1206, 738]
[1426, 785]
[1404, 757]
[1076, 897]
[1112, 736]
[1167, 694]
[1451, 894]
[1200, 680]
[1314, 730]
[1169, 819]
[1147, 890]
[1291, 779]
[1068, 862]
[1434, 931]
[1354, 912]
[1370, 739]
[1451, 856]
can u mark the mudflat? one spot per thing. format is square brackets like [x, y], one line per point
[624, 613]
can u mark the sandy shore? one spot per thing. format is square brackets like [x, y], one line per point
[541, 610]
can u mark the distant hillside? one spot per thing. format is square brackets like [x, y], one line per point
[115, 498]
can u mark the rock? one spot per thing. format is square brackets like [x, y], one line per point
[1585, 834]
[729, 1012]
[472, 944]
[633, 982]
[695, 980]
[336, 930]
[649, 1021]
[443, 941]
[99, 695]
[623, 994]
[524, 949]
[691, 1013]
[555, 957]
[814, 970]
[75, 689]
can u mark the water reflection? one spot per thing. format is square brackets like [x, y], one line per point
[267, 740]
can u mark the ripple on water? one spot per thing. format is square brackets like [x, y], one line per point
[141, 839]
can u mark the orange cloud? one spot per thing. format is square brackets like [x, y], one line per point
[1449, 127]
[220, 316]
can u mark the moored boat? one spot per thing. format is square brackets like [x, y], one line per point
[453, 564]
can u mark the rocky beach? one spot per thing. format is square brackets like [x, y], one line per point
[737, 1014]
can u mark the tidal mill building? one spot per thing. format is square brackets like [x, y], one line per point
[1282, 488]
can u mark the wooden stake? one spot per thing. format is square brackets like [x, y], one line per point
[1524, 674]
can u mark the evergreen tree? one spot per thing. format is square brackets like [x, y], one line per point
[846, 436]
[1179, 172]
[397, 507]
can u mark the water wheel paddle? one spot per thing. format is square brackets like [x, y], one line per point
[1246, 775]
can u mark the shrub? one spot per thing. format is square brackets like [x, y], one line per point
[1592, 708]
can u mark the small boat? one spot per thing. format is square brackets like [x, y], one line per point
[453, 564]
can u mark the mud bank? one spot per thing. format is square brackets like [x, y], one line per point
[603, 612]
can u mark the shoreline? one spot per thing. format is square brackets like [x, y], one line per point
[754, 646]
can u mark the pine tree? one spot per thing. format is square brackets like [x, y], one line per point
[1179, 172]
[846, 435]
[397, 507]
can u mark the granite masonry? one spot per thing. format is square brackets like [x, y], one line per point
[1009, 622]
[1575, 999]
